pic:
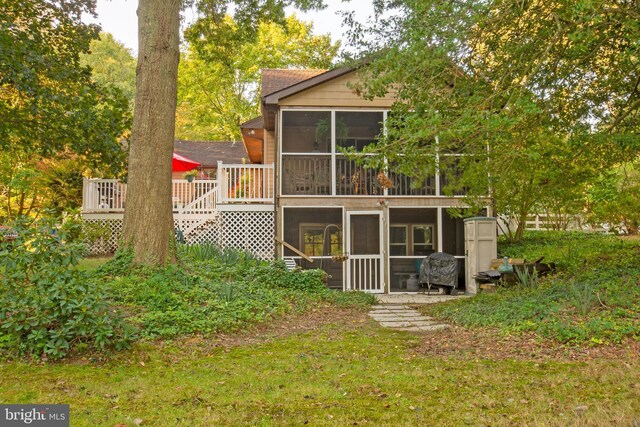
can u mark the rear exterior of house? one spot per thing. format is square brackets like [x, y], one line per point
[369, 229]
[304, 200]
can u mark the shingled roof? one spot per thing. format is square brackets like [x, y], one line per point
[209, 153]
[275, 79]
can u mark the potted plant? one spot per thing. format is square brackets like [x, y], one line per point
[190, 175]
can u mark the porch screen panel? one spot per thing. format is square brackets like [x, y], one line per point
[318, 233]
[357, 129]
[365, 235]
[306, 132]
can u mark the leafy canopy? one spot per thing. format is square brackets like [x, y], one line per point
[47, 99]
[541, 95]
[218, 83]
[112, 64]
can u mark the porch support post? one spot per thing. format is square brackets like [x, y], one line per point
[221, 184]
[440, 243]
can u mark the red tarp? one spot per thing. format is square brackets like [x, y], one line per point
[183, 164]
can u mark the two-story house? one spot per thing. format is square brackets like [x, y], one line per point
[369, 229]
[303, 199]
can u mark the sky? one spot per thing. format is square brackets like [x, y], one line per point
[118, 17]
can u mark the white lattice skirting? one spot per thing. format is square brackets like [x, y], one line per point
[249, 231]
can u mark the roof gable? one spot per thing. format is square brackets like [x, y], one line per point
[276, 79]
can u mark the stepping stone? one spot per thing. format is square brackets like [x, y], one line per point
[404, 318]
[403, 315]
[407, 324]
[400, 319]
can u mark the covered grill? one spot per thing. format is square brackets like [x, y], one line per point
[439, 269]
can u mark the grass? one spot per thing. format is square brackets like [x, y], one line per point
[89, 264]
[594, 298]
[346, 369]
[335, 375]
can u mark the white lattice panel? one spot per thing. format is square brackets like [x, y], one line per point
[208, 232]
[249, 231]
[108, 243]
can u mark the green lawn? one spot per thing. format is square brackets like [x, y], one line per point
[338, 374]
[288, 352]
[89, 264]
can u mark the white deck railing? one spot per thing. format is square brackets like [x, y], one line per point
[235, 184]
[246, 183]
[103, 195]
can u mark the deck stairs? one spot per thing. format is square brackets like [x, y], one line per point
[199, 212]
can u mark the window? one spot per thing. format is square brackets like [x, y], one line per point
[422, 239]
[415, 240]
[398, 240]
[313, 240]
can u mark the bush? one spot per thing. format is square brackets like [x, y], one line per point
[213, 290]
[47, 306]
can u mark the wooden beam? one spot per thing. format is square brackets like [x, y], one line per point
[294, 249]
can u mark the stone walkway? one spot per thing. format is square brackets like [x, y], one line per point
[404, 318]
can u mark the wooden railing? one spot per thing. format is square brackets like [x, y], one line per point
[195, 196]
[235, 184]
[103, 195]
[311, 175]
[246, 183]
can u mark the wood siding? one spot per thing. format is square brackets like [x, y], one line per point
[269, 155]
[335, 94]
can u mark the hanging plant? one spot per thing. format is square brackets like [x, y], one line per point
[384, 180]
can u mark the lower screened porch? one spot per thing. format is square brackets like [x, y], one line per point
[372, 250]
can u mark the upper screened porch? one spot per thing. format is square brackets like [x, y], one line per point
[313, 163]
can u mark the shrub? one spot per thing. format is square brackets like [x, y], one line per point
[213, 290]
[47, 305]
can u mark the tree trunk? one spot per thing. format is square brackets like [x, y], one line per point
[148, 217]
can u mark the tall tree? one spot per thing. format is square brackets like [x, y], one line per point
[217, 94]
[549, 86]
[148, 218]
[148, 222]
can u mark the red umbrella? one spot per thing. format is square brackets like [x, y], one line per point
[183, 164]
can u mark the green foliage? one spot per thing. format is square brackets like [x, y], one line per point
[614, 199]
[48, 307]
[213, 290]
[582, 296]
[594, 297]
[112, 64]
[219, 76]
[535, 82]
[55, 123]
[48, 103]
[527, 277]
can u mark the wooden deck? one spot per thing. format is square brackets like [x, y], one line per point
[234, 184]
